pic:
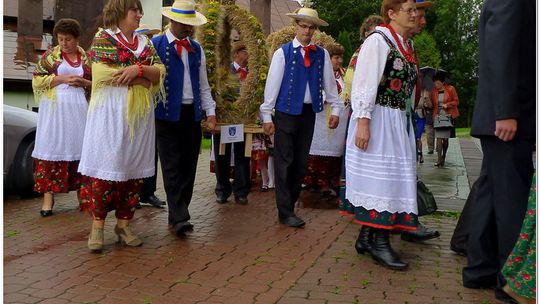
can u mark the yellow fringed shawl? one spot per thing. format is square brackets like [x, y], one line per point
[46, 70]
[109, 57]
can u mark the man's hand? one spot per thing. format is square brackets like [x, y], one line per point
[126, 75]
[268, 128]
[211, 123]
[362, 134]
[334, 122]
[506, 129]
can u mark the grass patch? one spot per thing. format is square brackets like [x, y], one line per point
[206, 143]
[448, 214]
[12, 233]
[463, 132]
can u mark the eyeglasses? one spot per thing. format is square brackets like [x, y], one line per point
[410, 11]
[307, 27]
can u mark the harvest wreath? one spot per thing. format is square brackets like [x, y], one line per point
[235, 104]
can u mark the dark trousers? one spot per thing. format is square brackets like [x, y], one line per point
[179, 144]
[242, 183]
[497, 213]
[150, 183]
[292, 142]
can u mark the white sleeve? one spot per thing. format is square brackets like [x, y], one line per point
[273, 85]
[330, 86]
[207, 102]
[367, 76]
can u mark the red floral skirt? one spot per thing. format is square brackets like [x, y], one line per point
[56, 176]
[323, 171]
[101, 196]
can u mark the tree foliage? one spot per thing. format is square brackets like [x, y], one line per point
[449, 41]
[427, 50]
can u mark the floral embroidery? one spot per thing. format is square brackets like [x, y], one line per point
[395, 84]
[398, 64]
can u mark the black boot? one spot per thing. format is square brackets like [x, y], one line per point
[422, 233]
[365, 238]
[382, 252]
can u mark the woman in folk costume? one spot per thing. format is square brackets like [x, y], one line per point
[381, 153]
[61, 77]
[118, 150]
[324, 162]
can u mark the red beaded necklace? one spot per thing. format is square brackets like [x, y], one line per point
[409, 56]
[132, 46]
[75, 64]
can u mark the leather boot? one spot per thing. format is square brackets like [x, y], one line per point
[382, 252]
[365, 238]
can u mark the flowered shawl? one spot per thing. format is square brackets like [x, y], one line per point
[47, 69]
[109, 56]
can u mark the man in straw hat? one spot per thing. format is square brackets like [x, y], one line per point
[299, 73]
[178, 119]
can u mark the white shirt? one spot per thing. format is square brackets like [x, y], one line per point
[207, 102]
[275, 77]
[369, 71]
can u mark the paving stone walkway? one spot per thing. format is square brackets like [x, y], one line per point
[236, 254]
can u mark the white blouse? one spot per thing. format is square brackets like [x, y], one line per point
[369, 71]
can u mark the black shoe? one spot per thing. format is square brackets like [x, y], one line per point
[264, 189]
[221, 200]
[293, 221]
[182, 227]
[422, 233]
[430, 152]
[45, 213]
[138, 206]
[382, 252]
[365, 238]
[241, 200]
[154, 201]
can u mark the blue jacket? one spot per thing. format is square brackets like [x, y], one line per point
[174, 80]
[296, 77]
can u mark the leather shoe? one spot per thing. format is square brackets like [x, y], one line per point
[45, 213]
[138, 206]
[293, 221]
[182, 227]
[241, 200]
[154, 201]
[422, 233]
[221, 200]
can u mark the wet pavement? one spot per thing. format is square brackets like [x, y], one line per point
[236, 254]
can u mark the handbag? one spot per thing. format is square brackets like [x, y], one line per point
[443, 120]
[425, 199]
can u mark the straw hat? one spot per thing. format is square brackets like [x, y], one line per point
[308, 15]
[183, 11]
[421, 4]
[147, 30]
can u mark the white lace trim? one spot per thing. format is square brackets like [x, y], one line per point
[381, 204]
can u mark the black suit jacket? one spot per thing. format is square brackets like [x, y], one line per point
[507, 84]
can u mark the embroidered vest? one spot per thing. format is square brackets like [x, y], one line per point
[174, 80]
[296, 77]
[398, 80]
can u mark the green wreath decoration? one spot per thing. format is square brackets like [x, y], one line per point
[235, 103]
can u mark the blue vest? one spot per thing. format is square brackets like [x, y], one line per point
[174, 80]
[296, 77]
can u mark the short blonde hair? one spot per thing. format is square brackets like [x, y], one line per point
[116, 10]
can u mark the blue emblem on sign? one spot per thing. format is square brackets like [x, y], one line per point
[232, 131]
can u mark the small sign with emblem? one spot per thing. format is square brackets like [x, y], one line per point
[232, 133]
